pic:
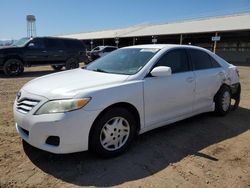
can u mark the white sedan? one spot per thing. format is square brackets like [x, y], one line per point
[103, 106]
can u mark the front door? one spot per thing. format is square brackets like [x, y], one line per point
[167, 98]
[35, 52]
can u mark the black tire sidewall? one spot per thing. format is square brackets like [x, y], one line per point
[6, 64]
[218, 101]
[71, 61]
[94, 140]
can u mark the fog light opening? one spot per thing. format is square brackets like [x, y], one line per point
[53, 140]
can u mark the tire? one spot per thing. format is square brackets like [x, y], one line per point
[13, 67]
[223, 101]
[112, 132]
[71, 63]
[57, 67]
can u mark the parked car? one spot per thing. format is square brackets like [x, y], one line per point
[57, 52]
[128, 92]
[100, 51]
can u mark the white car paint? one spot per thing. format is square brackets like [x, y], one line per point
[158, 100]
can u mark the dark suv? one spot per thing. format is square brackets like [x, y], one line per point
[57, 52]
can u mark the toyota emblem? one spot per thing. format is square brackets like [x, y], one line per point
[18, 95]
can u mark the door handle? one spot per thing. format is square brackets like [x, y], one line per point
[221, 73]
[190, 79]
[60, 51]
[44, 51]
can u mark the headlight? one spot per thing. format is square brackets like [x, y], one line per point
[60, 106]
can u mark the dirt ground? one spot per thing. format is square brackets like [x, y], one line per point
[203, 151]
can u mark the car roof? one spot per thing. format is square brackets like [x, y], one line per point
[61, 38]
[164, 46]
[106, 46]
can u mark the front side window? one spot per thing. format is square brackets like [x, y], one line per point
[201, 60]
[175, 59]
[126, 61]
[37, 43]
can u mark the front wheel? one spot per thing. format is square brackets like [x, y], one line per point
[13, 67]
[223, 101]
[113, 132]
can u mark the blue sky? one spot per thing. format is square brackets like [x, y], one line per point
[72, 16]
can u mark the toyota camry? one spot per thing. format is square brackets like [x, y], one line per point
[103, 106]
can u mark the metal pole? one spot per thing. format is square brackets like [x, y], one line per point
[103, 42]
[215, 43]
[27, 29]
[91, 44]
[181, 39]
[134, 41]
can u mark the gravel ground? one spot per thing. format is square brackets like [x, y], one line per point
[203, 151]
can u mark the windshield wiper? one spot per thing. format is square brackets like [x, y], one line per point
[100, 70]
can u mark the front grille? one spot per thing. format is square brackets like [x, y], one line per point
[25, 105]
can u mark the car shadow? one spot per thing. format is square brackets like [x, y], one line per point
[150, 153]
[35, 72]
[29, 74]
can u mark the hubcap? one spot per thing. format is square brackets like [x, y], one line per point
[115, 133]
[13, 67]
[226, 101]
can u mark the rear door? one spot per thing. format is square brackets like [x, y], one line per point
[56, 51]
[167, 98]
[74, 48]
[209, 76]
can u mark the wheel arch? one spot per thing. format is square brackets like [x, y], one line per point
[13, 57]
[125, 105]
[222, 85]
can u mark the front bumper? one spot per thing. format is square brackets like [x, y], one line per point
[72, 128]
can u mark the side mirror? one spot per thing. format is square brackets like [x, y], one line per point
[161, 71]
[31, 45]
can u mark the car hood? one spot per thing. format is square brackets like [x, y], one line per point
[67, 84]
[8, 48]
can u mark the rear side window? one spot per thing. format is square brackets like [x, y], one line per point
[214, 63]
[201, 60]
[175, 59]
[54, 43]
[73, 44]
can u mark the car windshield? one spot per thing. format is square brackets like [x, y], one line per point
[126, 61]
[21, 42]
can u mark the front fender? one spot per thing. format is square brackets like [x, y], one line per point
[129, 92]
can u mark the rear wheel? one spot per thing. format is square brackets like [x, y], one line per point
[223, 101]
[13, 67]
[113, 132]
[57, 67]
[71, 63]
